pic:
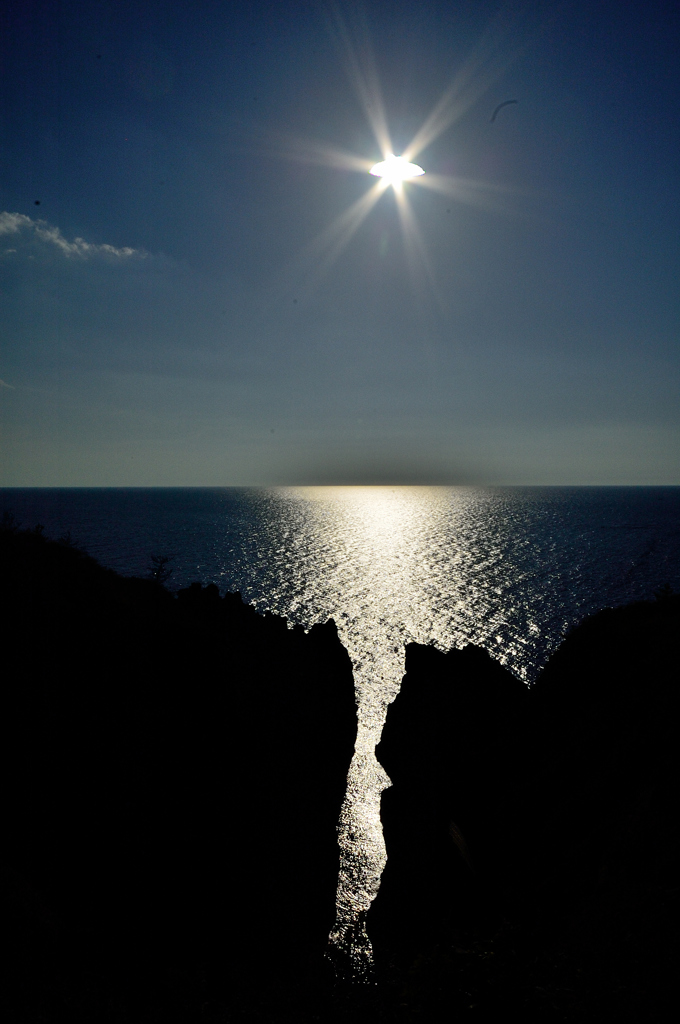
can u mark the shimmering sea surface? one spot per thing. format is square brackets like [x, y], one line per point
[510, 569]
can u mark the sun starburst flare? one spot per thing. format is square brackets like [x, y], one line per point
[396, 172]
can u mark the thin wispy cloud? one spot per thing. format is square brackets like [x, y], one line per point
[4, 384]
[50, 236]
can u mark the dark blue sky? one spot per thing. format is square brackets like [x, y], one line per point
[177, 311]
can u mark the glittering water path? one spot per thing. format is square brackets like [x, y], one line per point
[509, 568]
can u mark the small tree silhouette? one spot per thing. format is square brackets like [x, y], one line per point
[159, 568]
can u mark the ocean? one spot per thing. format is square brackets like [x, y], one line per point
[510, 569]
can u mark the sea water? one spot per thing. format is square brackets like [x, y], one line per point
[510, 569]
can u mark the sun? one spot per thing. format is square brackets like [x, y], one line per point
[396, 169]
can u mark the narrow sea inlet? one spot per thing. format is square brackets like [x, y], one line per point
[509, 569]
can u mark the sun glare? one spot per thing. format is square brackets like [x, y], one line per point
[396, 169]
[470, 83]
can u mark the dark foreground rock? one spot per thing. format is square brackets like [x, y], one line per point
[173, 771]
[532, 836]
[453, 746]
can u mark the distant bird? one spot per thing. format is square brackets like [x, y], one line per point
[500, 106]
[37, 202]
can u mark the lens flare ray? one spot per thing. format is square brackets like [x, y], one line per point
[324, 250]
[360, 68]
[473, 80]
[337, 235]
[423, 278]
[305, 151]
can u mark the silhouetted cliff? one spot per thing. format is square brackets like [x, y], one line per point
[453, 747]
[173, 771]
[532, 836]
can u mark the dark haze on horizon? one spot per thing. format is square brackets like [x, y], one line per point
[196, 290]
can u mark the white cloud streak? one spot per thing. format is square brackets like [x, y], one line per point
[20, 224]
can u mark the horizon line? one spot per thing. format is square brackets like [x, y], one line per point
[307, 485]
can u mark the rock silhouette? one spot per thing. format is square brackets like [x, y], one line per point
[454, 747]
[564, 906]
[173, 773]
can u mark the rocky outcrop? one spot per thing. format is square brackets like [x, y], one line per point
[174, 768]
[454, 746]
[554, 893]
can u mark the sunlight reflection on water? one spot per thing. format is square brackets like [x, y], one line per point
[359, 556]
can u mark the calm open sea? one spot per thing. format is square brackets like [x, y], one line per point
[510, 569]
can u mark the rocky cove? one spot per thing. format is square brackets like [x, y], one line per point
[174, 768]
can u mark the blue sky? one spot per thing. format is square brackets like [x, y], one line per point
[177, 310]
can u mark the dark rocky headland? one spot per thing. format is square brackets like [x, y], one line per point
[173, 771]
[532, 835]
